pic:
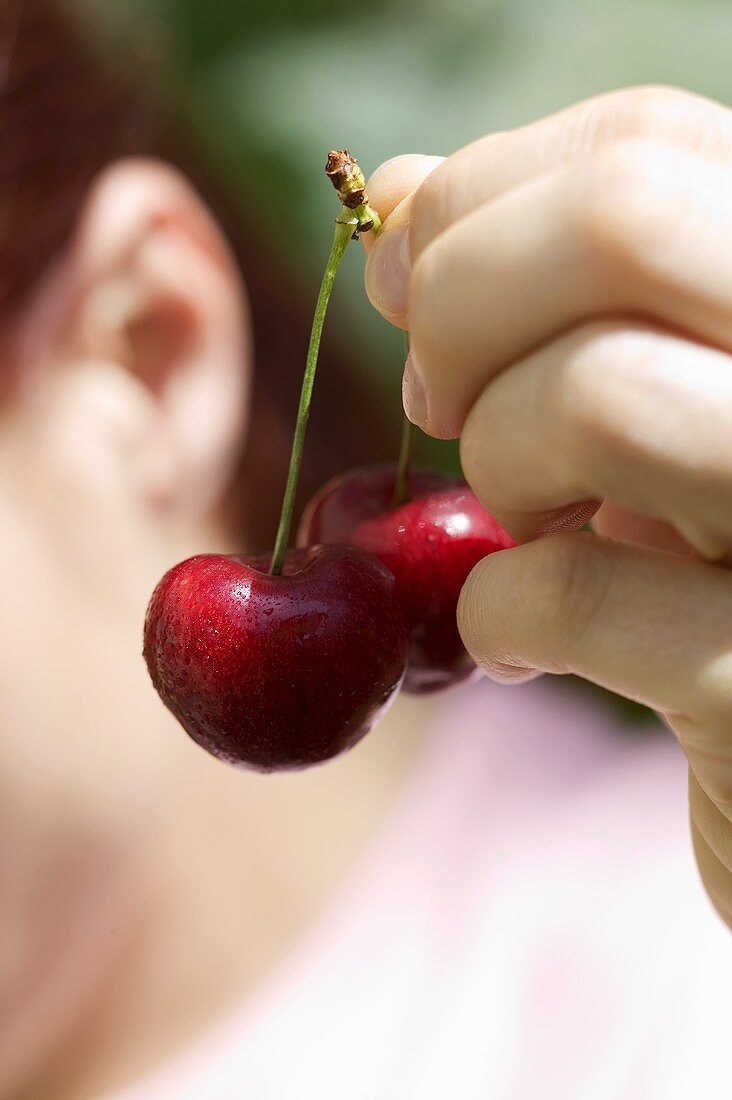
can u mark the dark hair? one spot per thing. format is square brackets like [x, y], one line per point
[64, 115]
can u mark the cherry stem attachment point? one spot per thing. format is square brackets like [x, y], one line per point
[344, 172]
[346, 225]
[401, 484]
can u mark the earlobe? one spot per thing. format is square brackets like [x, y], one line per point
[156, 293]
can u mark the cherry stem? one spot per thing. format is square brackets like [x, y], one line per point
[401, 485]
[345, 226]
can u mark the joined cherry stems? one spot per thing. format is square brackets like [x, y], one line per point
[356, 217]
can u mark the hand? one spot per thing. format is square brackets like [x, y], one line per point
[568, 291]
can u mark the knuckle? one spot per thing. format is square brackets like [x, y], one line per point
[660, 112]
[580, 383]
[595, 388]
[628, 207]
[647, 110]
[576, 577]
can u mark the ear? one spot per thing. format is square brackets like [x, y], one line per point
[154, 318]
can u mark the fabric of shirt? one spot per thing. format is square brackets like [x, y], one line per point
[528, 923]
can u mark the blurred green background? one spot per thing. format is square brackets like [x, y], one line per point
[262, 90]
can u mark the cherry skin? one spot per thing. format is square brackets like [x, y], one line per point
[277, 672]
[430, 544]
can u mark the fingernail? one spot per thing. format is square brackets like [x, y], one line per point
[413, 395]
[387, 271]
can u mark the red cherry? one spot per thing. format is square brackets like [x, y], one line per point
[275, 672]
[430, 544]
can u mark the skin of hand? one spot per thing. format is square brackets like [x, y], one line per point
[567, 287]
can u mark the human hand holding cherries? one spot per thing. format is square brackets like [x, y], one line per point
[568, 292]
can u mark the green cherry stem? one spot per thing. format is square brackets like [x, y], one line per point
[401, 485]
[346, 224]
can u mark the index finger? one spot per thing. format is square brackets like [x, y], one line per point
[394, 181]
[498, 162]
[419, 210]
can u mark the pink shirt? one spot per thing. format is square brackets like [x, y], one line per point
[528, 924]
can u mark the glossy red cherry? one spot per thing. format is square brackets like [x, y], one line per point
[275, 672]
[430, 544]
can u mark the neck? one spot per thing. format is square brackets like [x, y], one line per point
[242, 865]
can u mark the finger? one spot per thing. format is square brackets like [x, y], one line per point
[498, 162]
[653, 627]
[384, 267]
[393, 181]
[639, 230]
[392, 193]
[716, 877]
[713, 825]
[629, 414]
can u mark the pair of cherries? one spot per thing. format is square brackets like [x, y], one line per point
[284, 671]
[282, 663]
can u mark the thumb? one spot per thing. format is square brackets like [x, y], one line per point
[390, 192]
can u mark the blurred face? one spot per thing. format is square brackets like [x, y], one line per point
[122, 408]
